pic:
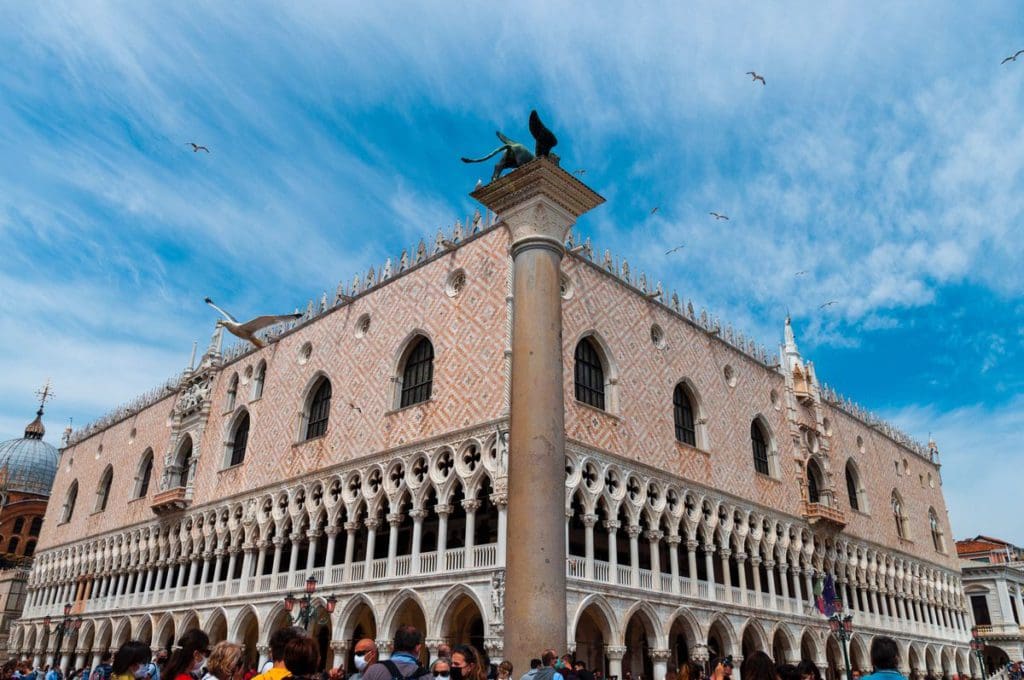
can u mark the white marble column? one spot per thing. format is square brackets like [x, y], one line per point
[673, 559]
[589, 520]
[723, 555]
[371, 539]
[394, 521]
[613, 550]
[633, 530]
[418, 515]
[312, 537]
[654, 538]
[471, 505]
[350, 546]
[293, 557]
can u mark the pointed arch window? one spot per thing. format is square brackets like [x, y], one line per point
[936, 529]
[239, 440]
[682, 410]
[418, 374]
[103, 490]
[69, 502]
[185, 462]
[229, 403]
[897, 515]
[259, 377]
[759, 444]
[145, 474]
[589, 374]
[852, 486]
[813, 481]
[319, 410]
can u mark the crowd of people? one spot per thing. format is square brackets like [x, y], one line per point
[296, 656]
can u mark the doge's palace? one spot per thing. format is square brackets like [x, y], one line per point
[709, 484]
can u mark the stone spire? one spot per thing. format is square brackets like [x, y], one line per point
[790, 347]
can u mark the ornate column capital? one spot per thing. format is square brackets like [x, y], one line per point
[340, 647]
[662, 655]
[418, 515]
[313, 534]
[724, 553]
[263, 650]
[673, 539]
[500, 499]
[372, 523]
[332, 531]
[611, 525]
[443, 510]
[589, 520]
[615, 652]
[654, 536]
[471, 505]
[351, 527]
[633, 530]
[395, 518]
[692, 545]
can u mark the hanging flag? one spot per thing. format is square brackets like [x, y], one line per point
[829, 595]
[819, 601]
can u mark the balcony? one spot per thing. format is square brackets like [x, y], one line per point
[819, 514]
[171, 501]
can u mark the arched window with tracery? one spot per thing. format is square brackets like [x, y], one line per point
[69, 502]
[185, 462]
[103, 490]
[229, 403]
[319, 410]
[239, 439]
[936, 529]
[759, 445]
[258, 378]
[897, 515]
[852, 486]
[589, 374]
[813, 481]
[418, 373]
[144, 475]
[682, 412]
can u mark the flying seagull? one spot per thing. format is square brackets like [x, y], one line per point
[718, 216]
[755, 77]
[1012, 57]
[800, 273]
[669, 252]
[196, 148]
[247, 331]
[580, 172]
[655, 209]
[828, 304]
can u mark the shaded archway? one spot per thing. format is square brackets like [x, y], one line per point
[859, 659]
[407, 610]
[682, 638]
[144, 632]
[593, 632]
[356, 622]
[915, 661]
[247, 632]
[808, 648]
[122, 632]
[320, 629]
[996, 658]
[464, 622]
[164, 633]
[836, 668]
[720, 639]
[640, 638]
[753, 639]
[216, 626]
[782, 646]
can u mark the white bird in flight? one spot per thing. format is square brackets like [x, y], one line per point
[718, 216]
[756, 77]
[669, 252]
[196, 148]
[247, 331]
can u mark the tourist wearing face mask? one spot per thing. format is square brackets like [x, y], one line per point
[466, 664]
[275, 668]
[364, 656]
[187, 662]
[130, 660]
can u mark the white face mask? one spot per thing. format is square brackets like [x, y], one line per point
[360, 662]
[199, 664]
[140, 672]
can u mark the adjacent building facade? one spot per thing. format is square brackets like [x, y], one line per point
[993, 577]
[708, 485]
[27, 469]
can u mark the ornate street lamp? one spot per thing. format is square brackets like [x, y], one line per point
[68, 625]
[842, 628]
[306, 608]
[978, 646]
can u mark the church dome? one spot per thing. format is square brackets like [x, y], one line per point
[29, 464]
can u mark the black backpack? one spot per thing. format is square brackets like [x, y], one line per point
[397, 674]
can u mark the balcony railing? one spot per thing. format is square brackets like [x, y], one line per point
[171, 500]
[817, 512]
[480, 557]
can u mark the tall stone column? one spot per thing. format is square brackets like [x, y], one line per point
[539, 203]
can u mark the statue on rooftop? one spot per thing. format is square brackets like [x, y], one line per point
[514, 154]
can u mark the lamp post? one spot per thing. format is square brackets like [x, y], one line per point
[305, 603]
[978, 646]
[842, 628]
[68, 625]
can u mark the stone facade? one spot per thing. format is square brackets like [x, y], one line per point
[675, 551]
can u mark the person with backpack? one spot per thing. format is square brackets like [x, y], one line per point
[404, 663]
[104, 670]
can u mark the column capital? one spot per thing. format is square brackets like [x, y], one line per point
[339, 646]
[662, 655]
[263, 650]
[633, 530]
[332, 531]
[692, 545]
[741, 557]
[500, 499]
[673, 539]
[351, 527]
[471, 505]
[313, 534]
[611, 525]
[418, 515]
[278, 541]
[724, 553]
[654, 536]
[372, 523]
[755, 560]
[443, 510]
[395, 518]
[589, 520]
[615, 652]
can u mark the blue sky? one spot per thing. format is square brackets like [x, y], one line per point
[884, 157]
